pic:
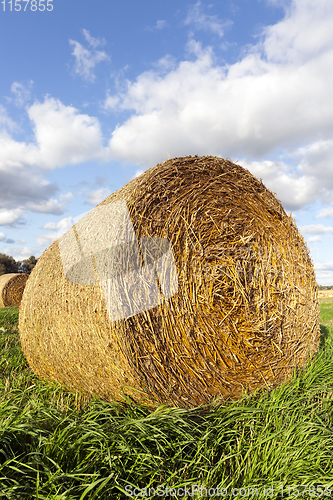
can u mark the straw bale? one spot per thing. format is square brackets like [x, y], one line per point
[189, 283]
[11, 288]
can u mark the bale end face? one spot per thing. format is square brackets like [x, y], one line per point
[11, 289]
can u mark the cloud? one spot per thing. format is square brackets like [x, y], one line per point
[316, 229]
[10, 217]
[324, 266]
[160, 24]
[19, 186]
[21, 92]
[6, 123]
[138, 173]
[294, 189]
[66, 197]
[51, 206]
[313, 239]
[201, 21]
[85, 59]
[325, 212]
[47, 207]
[20, 254]
[97, 196]
[57, 228]
[62, 136]
[9, 241]
[62, 225]
[94, 42]
[273, 101]
[324, 272]
[303, 35]
[47, 239]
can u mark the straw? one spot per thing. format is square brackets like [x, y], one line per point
[227, 301]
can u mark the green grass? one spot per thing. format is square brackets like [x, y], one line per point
[56, 445]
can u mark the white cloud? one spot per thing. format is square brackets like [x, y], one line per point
[47, 207]
[201, 21]
[47, 239]
[294, 189]
[275, 98]
[85, 59]
[62, 225]
[313, 239]
[111, 102]
[20, 254]
[64, 135]
[137, 173]
[58, 229]
[2, 236]
[324, 266]
[5, 121]
[10, 217]
[66, 197]
[304, 34]
[160, 24]
[324, 272]
[94, 42]
[325, 212]
[21, 92]
[251, 108]
[316, 229]
[97, 196]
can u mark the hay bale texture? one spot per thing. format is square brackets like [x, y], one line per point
[11, 289]
[235, 304]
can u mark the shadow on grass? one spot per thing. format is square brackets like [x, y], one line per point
[324, 333]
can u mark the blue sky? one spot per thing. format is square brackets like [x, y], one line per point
[94, 93]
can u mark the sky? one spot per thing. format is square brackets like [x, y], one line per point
[93, 93]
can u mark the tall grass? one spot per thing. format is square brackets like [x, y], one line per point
[58, 445]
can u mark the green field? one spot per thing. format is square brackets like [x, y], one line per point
[59, 445]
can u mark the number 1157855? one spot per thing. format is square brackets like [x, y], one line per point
[24, 5]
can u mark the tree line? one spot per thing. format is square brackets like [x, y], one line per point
[9, 265]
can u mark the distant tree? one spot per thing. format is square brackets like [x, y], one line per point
[2, 269]
[8, 264]
[27, 265]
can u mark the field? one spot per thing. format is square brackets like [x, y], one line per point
[325, 294]
[59, 445]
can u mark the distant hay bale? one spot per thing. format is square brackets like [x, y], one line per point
[189, 282]
[11, 289]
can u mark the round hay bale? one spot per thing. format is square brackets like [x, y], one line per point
[188, 283]
[11, 289]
